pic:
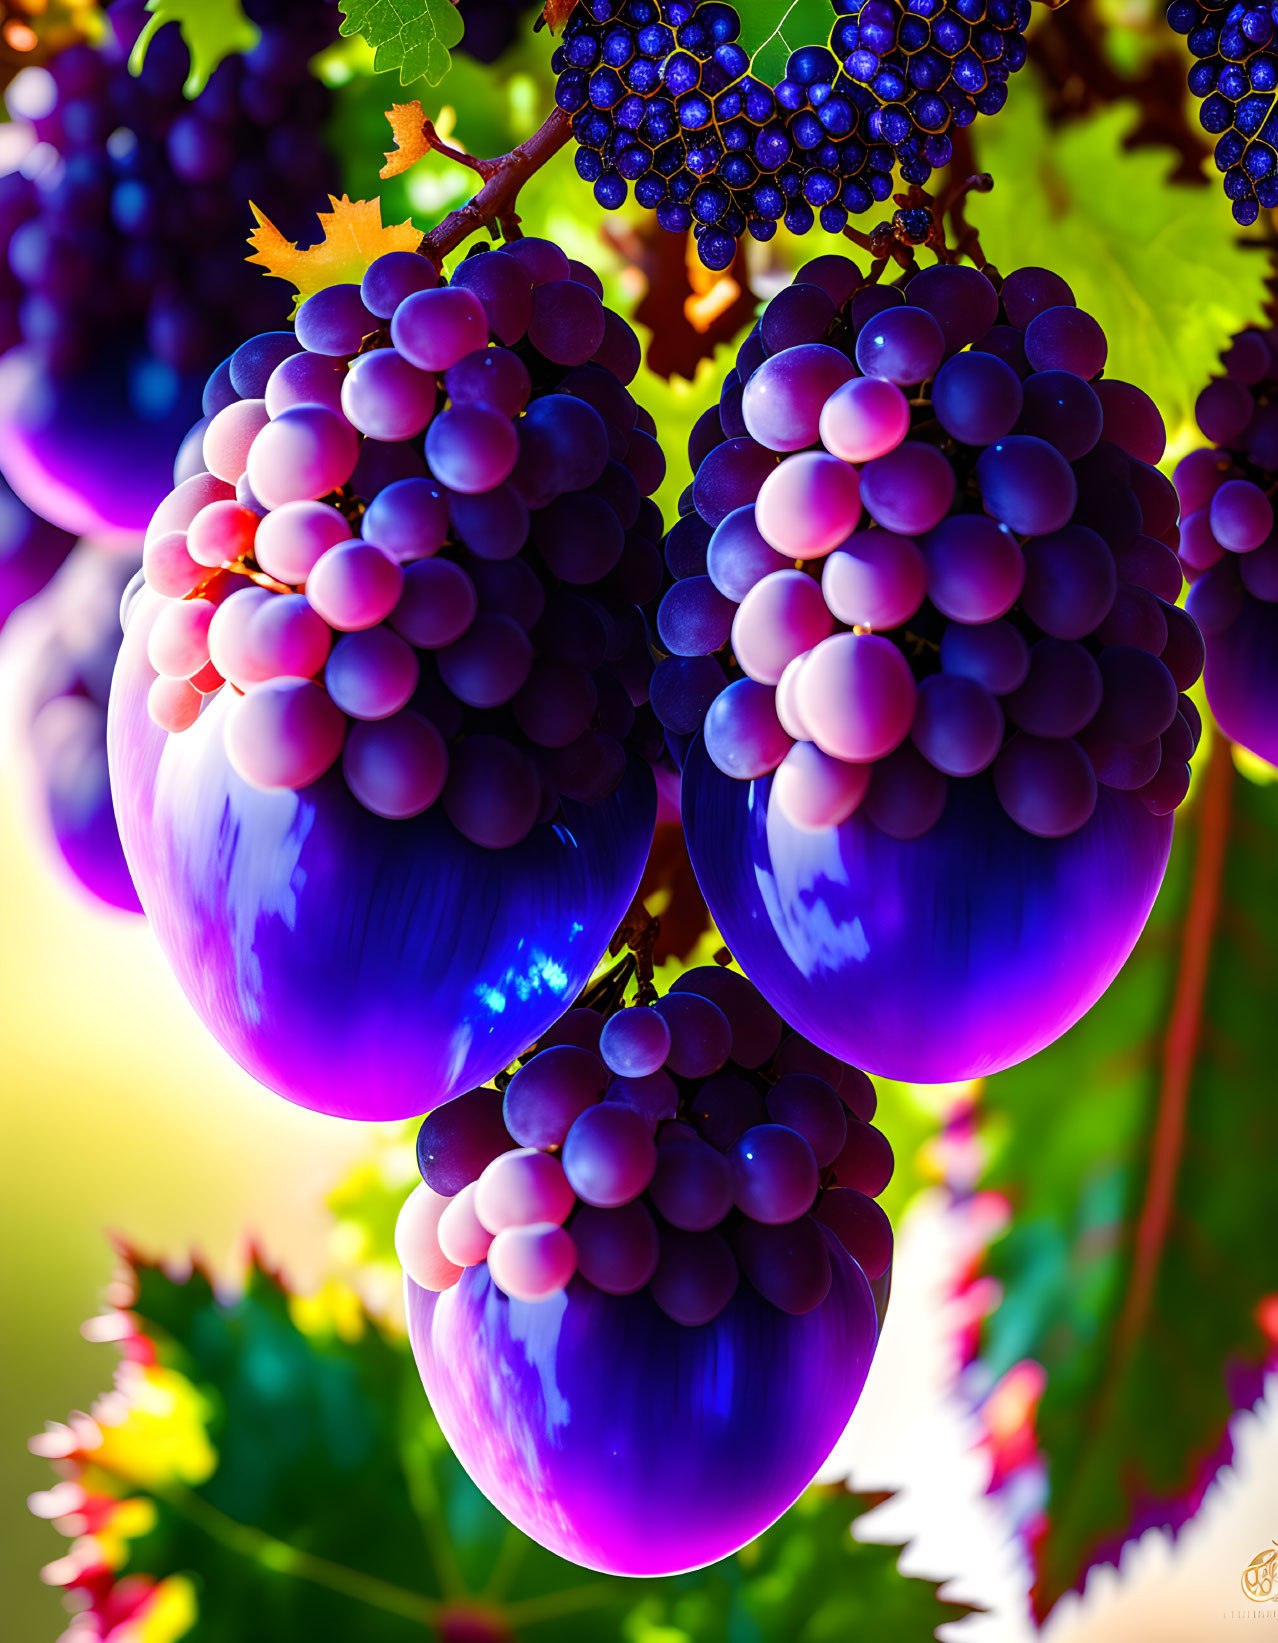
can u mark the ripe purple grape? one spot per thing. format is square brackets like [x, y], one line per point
[774, 1174]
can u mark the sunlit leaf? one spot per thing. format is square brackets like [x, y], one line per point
[212, 30]
[413, 36]
[411, 133]
[354, 237]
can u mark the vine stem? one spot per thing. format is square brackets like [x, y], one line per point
[494, 205]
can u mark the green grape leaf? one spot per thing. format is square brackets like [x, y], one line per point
[1159, 264]
[1136, 1154]
[267, 1470]
[212, 29]
[770, 31]
[413, 36]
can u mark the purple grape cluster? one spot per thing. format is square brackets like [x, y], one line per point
[661, 97]
[668, 1148]
[926, 542]
[30, 552]
[126, 223]
[1235, 73]
[1228, 545]
[419, 544]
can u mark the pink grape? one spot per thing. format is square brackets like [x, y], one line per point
[774, 1174]
[463, 1238]
[808, 505]
[866, 418]
[396, 766]
[221, 533]
[371, 674]
[875, 580]
[437, 605]
[958, 725]
[780, 618]
[696, 1276]
[522, 1188]
[532, 1263]
[782, 402]
[302, 454]
[182, 504]
[608, 1155]
[174, 704]
[287, 638]
[229, 435]
[700, 1035]
[1242, 516]
[550, 1091]
[635, 1042]
[354, 585]
[471, 448]
[816, 791]
[861, 1227]
[786, 702]
[1046, 787]
[387, 398]
[493, 793]
[434, 329]
[743, 734]
[230, 642]
[788, 1265]
[909, 490]
[803, 1102]
[291, 540]
[857, 693]
[285, 733]
[692, 1184]
[178, 644]
[305, 379]
[169, 567]
[417, 1240]
[489, 663]
[617, 1249]
[975, 568]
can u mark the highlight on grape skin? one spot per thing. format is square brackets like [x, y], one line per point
[646, 1238]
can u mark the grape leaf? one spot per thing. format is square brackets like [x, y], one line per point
[413, 36]
[770, 31]
[267, 1470]
[1160, 265]
[1137, 1157]
[354, 237]
[212, 29]
[411, 133]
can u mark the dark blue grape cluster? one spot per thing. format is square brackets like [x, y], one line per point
[1236, 75]
[661, 97]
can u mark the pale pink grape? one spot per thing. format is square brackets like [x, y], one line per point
[808, 505]
[181, 505]
[230, 647]
[303, 454]
[355, 585]
[463, 1238]
[174, 704]
[815, 791]
[305, 379]
[792, 721]
[417, 1240]
[284, 733]
[395, 767]
[780, 618]
[532, 1263]
[434, 329]
[291, 540]
[287, 638]
[523, 1187]
[221, 533]
[875, 580]
[865, 418]
[229, 435]
[169, 568]
[178, 644]
[857, 693]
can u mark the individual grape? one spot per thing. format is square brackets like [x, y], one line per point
[682, 689]
[788, 1265]
[493, 525]
[1242, 516]
[866, 1162]
[857, 693]
[906, 796]
[977, 398]
[228, 436]
[808, 505]
[522, 1188]
[1070, 582]
[1006, 343]
[459, 1139]
[654, 1096]
[783, 401]
[463, 1238]
[635, 1042]
[800, 313]
[169, 568]
[503, 287]
[902, 345]
[780, 618]
[184, 502]
[816, 791]
[220, 534]
[354, 585]
[743, 735]
[961, 300]
[786, 704]
[434, 329]
[1131, 419]
[395, 766]
[609, 1155]
[471, 448]
[173, 704]
[287, 638]
[1027, 292]
[909, 490]
[531, 1263]
[860, 1226]
[1184, 653]
[696, 1276]
[1198, 477]
[700, 1035]
[836, 276]
[617, 1249]
[334, 321]
[1222, 410]
[1121, 765]
[563, 446]
[490, 376]
[1027, 484]
[1215, 601]
[305, 379]
[724, 1107]
[1259, 572]
[550, 1091]
[1065, 339]
[1152, 565]
[1199, 549]
[302, 454]
[567, 324]
[285, 733]
[1140, 695]
[694, 618]
[408, 520]
[1136, 619]
[437, 605]
[756, 1026]
[493, 794]
[730, 477]
[1156, 495]
[541, 259]
[692, 1184]
[1167, 788]
[1061, 692]
[975, 569]
[809, 1105]
[864, 419]
[738, 556]
[958, 725]
[1047, 787]
[1062, 409]
[230, 645]
[392, 277]
[774, 1174]
[385, 397]
[254, 362]
[489, 663]
[556, 704]
[417, 1240]
[875, 580]
[178, 644]
[291, 540]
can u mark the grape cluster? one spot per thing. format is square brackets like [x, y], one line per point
[1228, 545]
[127, 218]
[661, 97]
[30, 552]
[419, 544]
[926, 540]
[65, 686]
[668, 1147]
[1235, 73]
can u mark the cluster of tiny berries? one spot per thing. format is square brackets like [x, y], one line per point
[1235, 73]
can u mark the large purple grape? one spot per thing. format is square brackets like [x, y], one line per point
[628, 1442]
[364, 967]
[947, 956]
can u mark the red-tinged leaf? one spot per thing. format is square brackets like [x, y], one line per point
[689, 310]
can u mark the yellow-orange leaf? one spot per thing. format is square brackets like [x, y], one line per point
[354, 237]
[557, 12]
[412, 133]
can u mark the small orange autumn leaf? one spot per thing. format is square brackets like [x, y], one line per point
[354, 237]
[556, 12]
[412, 133]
